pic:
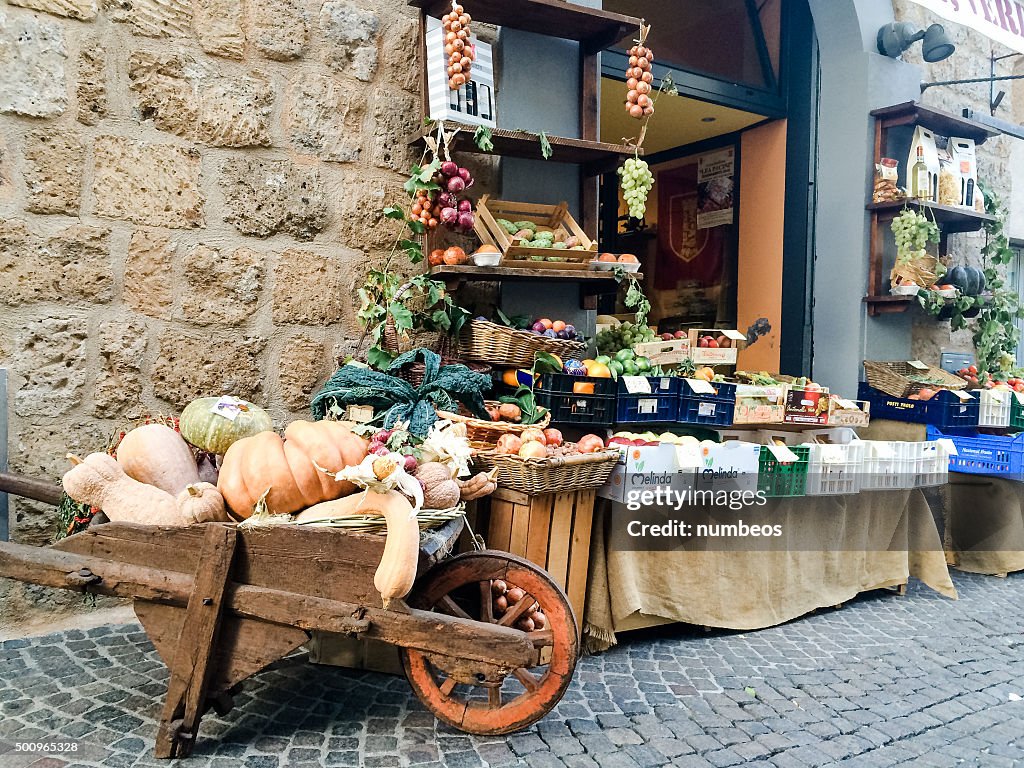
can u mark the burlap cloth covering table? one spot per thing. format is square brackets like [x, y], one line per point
[870, 540]
[985, 524]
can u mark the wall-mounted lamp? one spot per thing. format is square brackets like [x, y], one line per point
[894, 39]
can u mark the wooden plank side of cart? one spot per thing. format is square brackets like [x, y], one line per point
[144, 574]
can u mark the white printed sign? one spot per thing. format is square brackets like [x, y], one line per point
[999, 20]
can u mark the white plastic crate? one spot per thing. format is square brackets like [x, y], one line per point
[835, 469]
[995, 408]
[930, 461]
[887, 466]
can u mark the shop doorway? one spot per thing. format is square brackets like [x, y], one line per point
[719, 245]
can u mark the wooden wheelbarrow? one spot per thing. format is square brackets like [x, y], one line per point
[221, 603]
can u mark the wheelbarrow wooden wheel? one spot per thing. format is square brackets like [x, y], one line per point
[483, 699]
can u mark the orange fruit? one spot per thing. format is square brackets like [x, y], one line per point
[583, 388]
[588, 362]
[600, 371]
[546, 323]
[607, 257]
[628, 258]
[514, 377]
[558, 325]
[486, 248]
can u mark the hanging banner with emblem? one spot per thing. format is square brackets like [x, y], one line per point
[999, 20]
[715, 171]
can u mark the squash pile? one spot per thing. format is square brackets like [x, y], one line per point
[154, 480]
[154, 477]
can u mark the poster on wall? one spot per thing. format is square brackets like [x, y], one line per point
[1001, 21]
[715, 172]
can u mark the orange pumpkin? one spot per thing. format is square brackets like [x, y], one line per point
[288, 467]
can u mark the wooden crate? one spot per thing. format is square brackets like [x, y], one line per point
[518, 253]
[551, 530]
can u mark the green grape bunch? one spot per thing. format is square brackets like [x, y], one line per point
[913, 232]
[637, 180]
[623, 336]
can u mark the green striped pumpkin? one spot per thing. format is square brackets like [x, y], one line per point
[212, 432]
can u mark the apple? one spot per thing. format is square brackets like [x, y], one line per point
[711, 344]
[667, 337]
[679, 335]
[702, 342]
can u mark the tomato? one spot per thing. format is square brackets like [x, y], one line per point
[973, 370]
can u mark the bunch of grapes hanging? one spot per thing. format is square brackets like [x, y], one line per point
[640, 78]
[457, 46]
[635, 176]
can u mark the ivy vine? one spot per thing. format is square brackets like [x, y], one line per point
[995, 330]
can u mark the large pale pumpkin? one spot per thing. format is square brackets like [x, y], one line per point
[213, 432]
[288, 468]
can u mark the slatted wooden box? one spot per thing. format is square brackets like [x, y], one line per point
[521, 253]
[551, 530]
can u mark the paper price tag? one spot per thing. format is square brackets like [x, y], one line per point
[917, 364]
[637, 385]
[783, 454]
[964, 396]
[647, 406]
[706, 409]
[229, 407]
[846, 405]
[701, 387]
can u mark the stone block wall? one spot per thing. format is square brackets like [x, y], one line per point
[971, 60]
[189, 194]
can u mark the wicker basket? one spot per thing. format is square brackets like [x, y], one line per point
[487, 433]
[892, 377]
[555, 475]
[500, 345]
[445, 346]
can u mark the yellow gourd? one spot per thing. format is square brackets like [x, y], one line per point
[397, 569]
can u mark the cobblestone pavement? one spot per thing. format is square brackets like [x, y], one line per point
[918, 680]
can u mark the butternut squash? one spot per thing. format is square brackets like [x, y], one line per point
[100, 480]
[397, 569]
[157, 455]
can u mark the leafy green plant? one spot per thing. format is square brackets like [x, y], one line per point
[996, 336]
[635, 298]
[388, 296]
[545, 145]
[995, 329]
[482, 139]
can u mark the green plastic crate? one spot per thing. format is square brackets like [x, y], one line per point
[777, 479]
[1016, 413]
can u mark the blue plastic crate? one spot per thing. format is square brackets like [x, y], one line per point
[661, 405]
[563, 395]
[945, 410]
[977, 454]
[715, 410]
